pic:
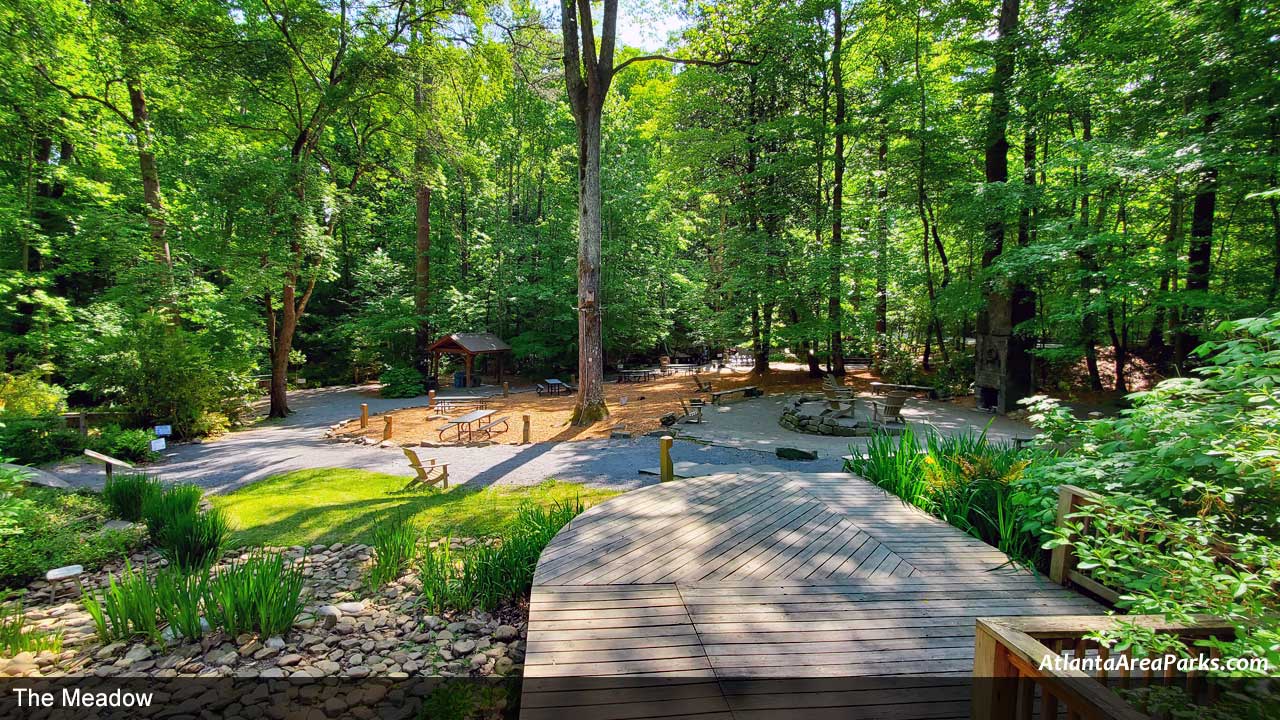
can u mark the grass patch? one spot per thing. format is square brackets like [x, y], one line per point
[341, 505]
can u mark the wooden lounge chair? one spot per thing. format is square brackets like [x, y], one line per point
[428, 474]
[692, 411]
[703, 385]
[889, 409]
[831, 386]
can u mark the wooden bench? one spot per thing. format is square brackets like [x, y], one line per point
[857, 361]
[428, 474]
[746, 390]
[883, 388]
[487, 429]
[461, 404]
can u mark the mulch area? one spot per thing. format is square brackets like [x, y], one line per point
[633, 407]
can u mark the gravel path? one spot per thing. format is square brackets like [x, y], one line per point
[275, 447]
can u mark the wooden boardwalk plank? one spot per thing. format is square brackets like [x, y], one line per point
[759, 595]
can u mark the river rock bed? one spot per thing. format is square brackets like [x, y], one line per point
[344, 631]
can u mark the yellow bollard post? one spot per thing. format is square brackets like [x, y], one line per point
[524, 439]
[666, 470]
[364, 415]
[386, 429]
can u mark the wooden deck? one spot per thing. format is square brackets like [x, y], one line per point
[765, 594]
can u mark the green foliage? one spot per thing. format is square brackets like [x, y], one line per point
[131, 445]
[962, 478]
[395, 544]
[489, 574]
[126, 608]
[193, 540]
[261, 593]
[401, 383]
[127, 494]
[16, 637]
[160, 509]
[38, 440]
[12, 502]
[180, 602]
[61, 528]
[28, 395]
[1187, 476]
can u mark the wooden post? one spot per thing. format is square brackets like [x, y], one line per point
[387, 429]
[506, 389]
[1062, 560]
[468, 364]
[431, 398]
[84, 424]
[364, 415]
[994, 678]
[524, 439]
[666, 471]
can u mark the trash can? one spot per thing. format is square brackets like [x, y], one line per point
[460, 379]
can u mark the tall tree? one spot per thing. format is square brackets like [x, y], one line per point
[835, 288]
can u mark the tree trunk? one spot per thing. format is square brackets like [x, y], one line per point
[835, 287]
[150, 172]
[1200, 255]
[591, 406]
[422, 246]
[1172, 246]
[882, 247]
[1089, 266]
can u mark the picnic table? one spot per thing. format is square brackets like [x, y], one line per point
[457, 403]
[625, 376]
[465, 424]
[555, 387]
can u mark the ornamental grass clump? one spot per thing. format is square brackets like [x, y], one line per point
[180, 602]
[394, 547]
[195, 540]
[128, 495]
[171, 505]
[261, 593]
[491, 573]
[126, 608]
[16, 637]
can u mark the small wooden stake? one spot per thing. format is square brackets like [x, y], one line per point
[524, 440]
[364, 415]
[431, 398]
[666, 471]
[506, 389]
[386, 430]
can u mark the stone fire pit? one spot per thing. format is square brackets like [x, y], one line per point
[815, 415]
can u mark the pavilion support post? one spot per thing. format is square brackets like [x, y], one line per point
[467, 361]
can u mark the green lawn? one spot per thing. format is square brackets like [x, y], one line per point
[339, 505]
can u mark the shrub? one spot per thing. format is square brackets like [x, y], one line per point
[492, 573]
[132, 445]
[12, 504]
[27, 395]
[16, 637]
[394, 546]
[128, 494]
[170, 505]
[35, 440]
[126, 608]
[194, 540]
[261, 593]
[401, 382]
[59, 528]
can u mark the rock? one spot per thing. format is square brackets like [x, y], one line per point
[275, 642]
[503, 665]
[225, 655]
[788, 453]
[274, 672]
[359, 671]
[463, 647]
[111, 650]
[351, 608]
[329, 615]
[506, 633]
[288, 660]
[328, 667]
[138, 653]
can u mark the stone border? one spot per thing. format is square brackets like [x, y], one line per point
[823, 424]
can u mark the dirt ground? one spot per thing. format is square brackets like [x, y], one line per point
[633, 407]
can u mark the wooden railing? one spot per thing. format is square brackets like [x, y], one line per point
[1062, 563]
[1015, 675]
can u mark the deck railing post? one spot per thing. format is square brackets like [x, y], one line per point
[1063, 558]
[995, 679]
[666, 471]
[364, 415]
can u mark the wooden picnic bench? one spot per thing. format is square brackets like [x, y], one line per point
[487, 428]
[746, 390]
[552, 386]
[459, 403]
[634, 376]
[428, 474]
[465, 423]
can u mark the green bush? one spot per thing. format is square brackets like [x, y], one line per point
[126, 608]
[61, 528]
[35, 440]
[16, 637]
[128, 494]
[394, 546]
[27, 395]
[168, 506]
[131, 445]
[193, 540]
[492, 573]
[262, 594]
[12, 502]
[401, 382]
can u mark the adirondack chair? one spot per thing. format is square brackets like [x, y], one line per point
[428, 474]
[692, 410]
[889, 409]
[703, 385]
[831, 386]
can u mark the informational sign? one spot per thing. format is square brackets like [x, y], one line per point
[164, 430]
[157, 445]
